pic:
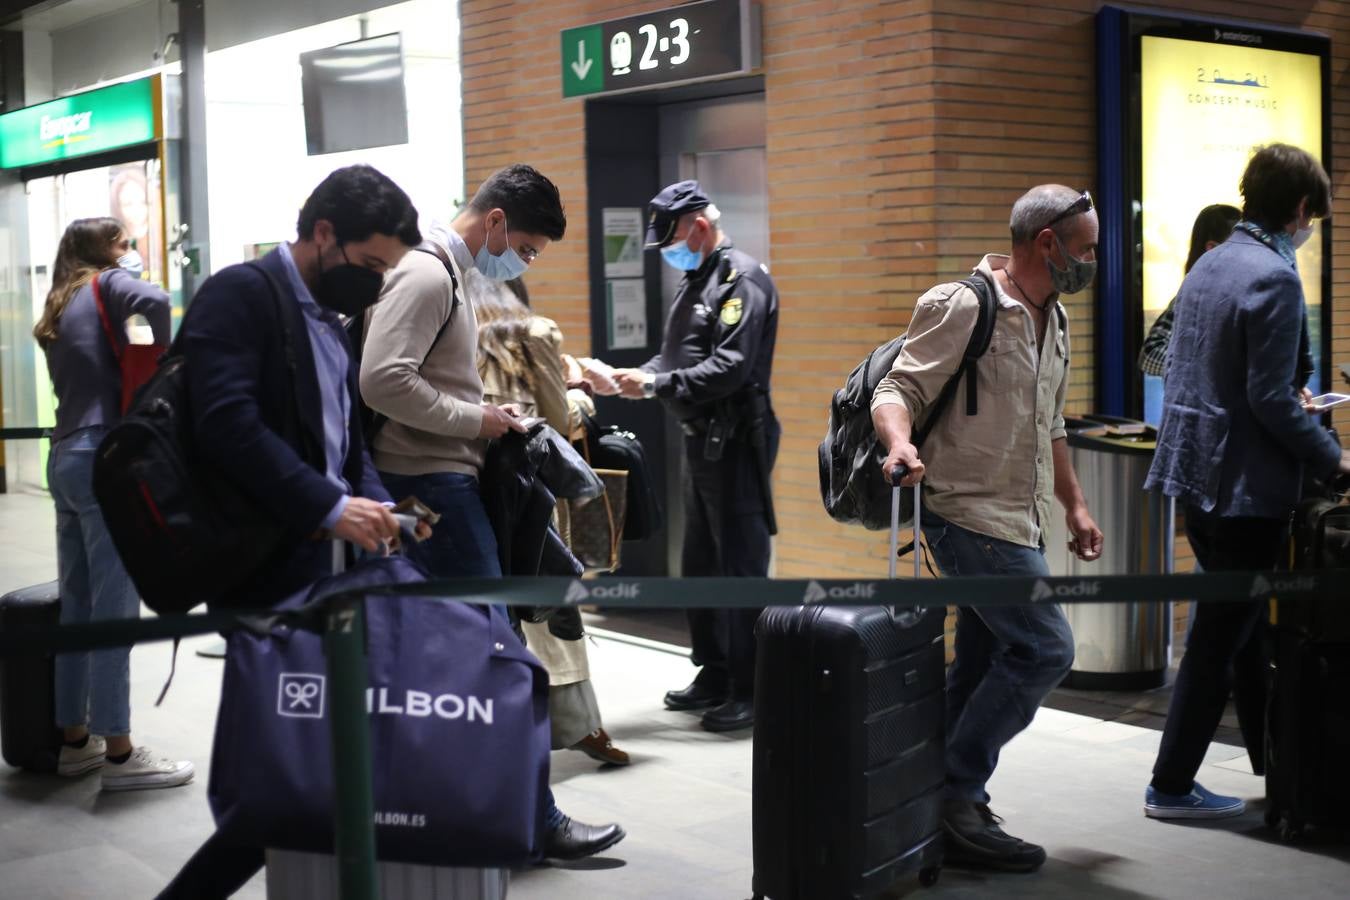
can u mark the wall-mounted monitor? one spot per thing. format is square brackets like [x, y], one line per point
[1182, 106]
[354, 95]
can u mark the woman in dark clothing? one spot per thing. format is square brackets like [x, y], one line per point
[93, 689]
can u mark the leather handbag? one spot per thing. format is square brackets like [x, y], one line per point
[597, 524]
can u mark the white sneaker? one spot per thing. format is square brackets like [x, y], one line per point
[145, 769]
[79, 760]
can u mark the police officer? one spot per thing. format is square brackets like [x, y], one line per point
[713, 375]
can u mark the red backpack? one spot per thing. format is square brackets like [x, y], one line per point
[137, 362]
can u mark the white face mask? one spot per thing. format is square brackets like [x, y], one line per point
[1302, 235]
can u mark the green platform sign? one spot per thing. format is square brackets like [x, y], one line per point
[680, 45]
[93, 122]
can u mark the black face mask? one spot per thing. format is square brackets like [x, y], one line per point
[348, 289]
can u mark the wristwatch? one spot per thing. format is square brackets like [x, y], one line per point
[649, 387]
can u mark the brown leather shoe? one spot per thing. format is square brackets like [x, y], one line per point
[600, 748]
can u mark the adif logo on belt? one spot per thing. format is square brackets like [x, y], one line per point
[859, 590]
[1263, 587]
[300, 695]
[579, 593]
[1042, 591]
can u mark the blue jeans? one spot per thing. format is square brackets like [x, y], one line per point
[462, 544]
[1008, 658]
[92, 688]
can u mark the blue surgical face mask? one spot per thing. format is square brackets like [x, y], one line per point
[131, 261]
[503, 267]
[679, 256]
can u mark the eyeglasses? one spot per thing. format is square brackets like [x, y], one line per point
[1081, 205]
[527, 253]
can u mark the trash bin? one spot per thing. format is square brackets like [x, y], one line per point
[1117, 646]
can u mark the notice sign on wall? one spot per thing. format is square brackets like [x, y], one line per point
[627, 306]
[1204, 108]
[624, 233]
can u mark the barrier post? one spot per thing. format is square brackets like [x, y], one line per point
[345, 647]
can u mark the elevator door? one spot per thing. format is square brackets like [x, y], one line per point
[719, 142]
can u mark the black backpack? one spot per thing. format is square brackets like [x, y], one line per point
[185, 532]
[372, 421]
[852, 486]
[610, 447]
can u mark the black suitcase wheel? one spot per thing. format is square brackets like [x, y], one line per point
[1289, 830]
[929, 877]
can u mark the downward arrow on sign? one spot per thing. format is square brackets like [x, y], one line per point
[582, 64]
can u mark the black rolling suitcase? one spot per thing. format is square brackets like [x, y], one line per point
[29, 737]
[849, 743]
[1307, 714]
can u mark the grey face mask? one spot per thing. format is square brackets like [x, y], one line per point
[1077, 276]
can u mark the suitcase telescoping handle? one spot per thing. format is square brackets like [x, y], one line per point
[906, 618]
[898, 473]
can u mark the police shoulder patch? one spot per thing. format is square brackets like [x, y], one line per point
[732, 311]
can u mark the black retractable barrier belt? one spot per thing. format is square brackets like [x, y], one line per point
[119, 632]
[731, 593]
[22, 434]
[973, 591]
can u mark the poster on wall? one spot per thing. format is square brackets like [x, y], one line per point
[1204, 108]
[623, 239]
[627, 313]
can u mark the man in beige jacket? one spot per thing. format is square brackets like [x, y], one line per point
[989, 481]
[419, 368]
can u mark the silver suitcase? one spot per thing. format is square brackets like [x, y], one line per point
[292, 875]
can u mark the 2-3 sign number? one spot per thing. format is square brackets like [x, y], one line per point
[679, 40]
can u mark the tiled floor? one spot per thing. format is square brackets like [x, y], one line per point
[1073, 782]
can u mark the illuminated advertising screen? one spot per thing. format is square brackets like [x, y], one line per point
[1204, 108]
[1182, 105]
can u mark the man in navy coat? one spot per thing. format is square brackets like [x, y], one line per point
[315, 474]
[262, 346]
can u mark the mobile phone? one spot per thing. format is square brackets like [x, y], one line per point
[419, 511]
[1325, 402]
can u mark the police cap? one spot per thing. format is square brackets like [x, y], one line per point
[667, 207]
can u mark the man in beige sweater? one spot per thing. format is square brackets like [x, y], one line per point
[419, 368]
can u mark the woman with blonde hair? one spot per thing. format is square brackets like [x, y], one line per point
[520, 360]
[93, 706]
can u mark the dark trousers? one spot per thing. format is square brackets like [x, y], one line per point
[218, 869]
[725, 534]
[1217, 644]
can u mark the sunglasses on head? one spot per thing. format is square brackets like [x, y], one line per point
[1081, 205]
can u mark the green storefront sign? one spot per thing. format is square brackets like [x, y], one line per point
[93, 122]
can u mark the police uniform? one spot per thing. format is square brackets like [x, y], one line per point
[713, 375]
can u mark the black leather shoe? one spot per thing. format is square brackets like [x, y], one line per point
[730, 716]
[974, 840]
[577, 840]
[696, 696]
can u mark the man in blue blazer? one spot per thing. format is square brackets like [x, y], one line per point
[262, 346]
[313, 473]
[1234, 441]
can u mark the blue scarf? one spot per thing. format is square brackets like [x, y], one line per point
[1280, 241]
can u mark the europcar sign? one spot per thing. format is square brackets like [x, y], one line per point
[109, 118]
